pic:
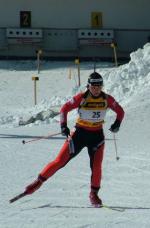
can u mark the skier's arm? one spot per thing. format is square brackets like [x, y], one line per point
[68, 106]
[113, 105]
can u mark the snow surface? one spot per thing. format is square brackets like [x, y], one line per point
[63, 200]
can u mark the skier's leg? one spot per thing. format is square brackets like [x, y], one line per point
[96, 158]
[96, 167]
[62, 158]
[60, 161]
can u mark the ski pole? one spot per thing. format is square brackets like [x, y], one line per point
[115, 143]
[109, 139]
[17, 197]
[44, 137]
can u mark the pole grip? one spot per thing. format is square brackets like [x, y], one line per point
[71, 145]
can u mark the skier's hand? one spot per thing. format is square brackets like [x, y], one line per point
[115, 126]
[65, 131]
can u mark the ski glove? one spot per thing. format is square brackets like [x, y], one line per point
[115, 126]
[65, 131]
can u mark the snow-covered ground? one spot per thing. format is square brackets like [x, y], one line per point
[63, 200]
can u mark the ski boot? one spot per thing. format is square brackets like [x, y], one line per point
[94, 199]
[35, 185]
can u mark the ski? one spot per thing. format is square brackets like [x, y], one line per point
[17, 197]
[113, 208]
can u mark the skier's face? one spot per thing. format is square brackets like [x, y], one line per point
[95, 90]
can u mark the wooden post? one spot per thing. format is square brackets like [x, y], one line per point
[69, 75]
[35, 92]
[78, 65]
[113, 45]
[39, 53]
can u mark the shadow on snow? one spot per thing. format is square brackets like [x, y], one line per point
[110, 207]
[12, 136]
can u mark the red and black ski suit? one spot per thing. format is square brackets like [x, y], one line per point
[88, 133]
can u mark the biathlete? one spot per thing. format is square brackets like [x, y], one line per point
[92, 106]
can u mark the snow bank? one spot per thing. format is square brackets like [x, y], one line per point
[123, 82]
[130, 79]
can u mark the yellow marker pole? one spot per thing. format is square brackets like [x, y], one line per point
[78, 64]
[39, 53]
[115, 53]
[69, 76]
[35, 91]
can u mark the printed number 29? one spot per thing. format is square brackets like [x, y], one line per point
[96, 115]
